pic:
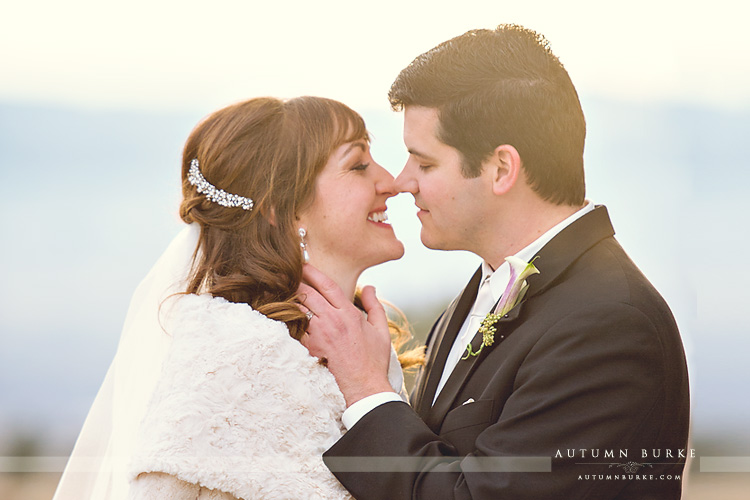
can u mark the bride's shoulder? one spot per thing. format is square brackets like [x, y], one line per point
[191, 315]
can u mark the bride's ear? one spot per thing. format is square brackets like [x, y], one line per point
[269, 214]
[504, 167]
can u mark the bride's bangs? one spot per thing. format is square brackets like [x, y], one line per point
[349, 125]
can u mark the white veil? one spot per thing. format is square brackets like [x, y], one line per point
[97, 468]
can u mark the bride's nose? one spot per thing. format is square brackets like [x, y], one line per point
[384, 183]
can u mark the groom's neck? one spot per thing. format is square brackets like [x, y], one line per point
[520, 226]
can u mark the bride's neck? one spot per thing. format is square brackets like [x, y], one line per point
[346, 279]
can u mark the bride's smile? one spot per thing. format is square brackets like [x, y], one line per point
[379, 217]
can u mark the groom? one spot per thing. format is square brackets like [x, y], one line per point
[581, 391]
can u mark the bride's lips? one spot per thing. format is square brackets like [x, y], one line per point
[379, 217]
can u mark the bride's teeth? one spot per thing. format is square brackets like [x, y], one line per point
[378, 217]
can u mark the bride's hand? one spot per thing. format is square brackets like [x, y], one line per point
[356, 346]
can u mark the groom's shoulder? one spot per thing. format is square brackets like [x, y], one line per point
[588, 264]
[608, 264]
[606, 274]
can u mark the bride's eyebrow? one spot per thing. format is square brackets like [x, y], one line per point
[358, 144]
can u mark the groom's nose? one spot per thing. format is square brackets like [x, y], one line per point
[406, 182]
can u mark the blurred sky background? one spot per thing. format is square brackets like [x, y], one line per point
[97, 98]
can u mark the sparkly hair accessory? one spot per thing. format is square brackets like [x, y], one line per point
[195, 177]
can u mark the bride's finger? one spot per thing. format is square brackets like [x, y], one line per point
[325, 286]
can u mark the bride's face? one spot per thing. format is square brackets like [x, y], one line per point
[346, 222]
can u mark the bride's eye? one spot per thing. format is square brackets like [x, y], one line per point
[361, 166]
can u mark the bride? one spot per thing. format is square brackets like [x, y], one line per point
[211, 395]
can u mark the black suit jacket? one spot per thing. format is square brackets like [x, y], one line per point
[587, 371]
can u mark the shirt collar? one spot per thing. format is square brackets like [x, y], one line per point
[499, 278]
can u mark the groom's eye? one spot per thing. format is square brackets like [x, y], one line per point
[425, 167]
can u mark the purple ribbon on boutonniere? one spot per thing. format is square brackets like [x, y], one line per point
[512, 296]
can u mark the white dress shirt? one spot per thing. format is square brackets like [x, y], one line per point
[492, 286]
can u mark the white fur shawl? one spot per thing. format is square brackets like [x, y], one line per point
[241, 407]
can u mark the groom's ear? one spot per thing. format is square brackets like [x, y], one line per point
[505, 168]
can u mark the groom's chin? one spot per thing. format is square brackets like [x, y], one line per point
[429, 242]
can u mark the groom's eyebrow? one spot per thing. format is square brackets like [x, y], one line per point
[423, 156]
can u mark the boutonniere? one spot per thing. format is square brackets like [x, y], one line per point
[513, 295]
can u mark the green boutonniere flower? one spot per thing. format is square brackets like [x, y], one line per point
[513, 295]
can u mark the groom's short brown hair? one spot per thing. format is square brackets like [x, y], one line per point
[503, 86]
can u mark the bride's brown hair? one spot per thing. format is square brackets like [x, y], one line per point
[271, 151]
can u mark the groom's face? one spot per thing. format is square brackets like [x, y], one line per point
[452, 208]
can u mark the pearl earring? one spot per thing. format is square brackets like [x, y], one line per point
[303, 245]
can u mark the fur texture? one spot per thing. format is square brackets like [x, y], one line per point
[240, 408]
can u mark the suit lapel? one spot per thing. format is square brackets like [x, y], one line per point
[565, 248]
[443, 337]
[465, 368]
[421, 377]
